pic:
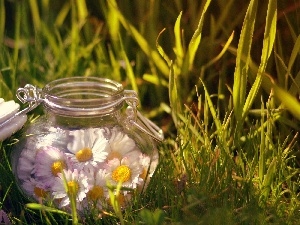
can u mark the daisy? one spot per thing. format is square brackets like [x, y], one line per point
[98, 191]
[121, 145]
[68, 184]
[126, 171]
[25, 164]
[148, 165]
[4, 218]
[88, 148]
[50, 161]
[36, 189]
[26, 160]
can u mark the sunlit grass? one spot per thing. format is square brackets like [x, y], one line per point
[229, 108]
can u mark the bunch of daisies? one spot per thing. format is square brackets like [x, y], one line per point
[82, 166]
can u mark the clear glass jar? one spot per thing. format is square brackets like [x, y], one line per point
[85, 141]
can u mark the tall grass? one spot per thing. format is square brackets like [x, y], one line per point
[221, 78]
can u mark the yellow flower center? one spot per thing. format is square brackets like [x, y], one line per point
[95, 193]
[84, 154]
[73, 187]
[39, 192]
[121, 173]
[57, 167]
[113, 155]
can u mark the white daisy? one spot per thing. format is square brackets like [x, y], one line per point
[50, 161]
[148, 165]
[75, 183]
[98, 191]
[126, 171]
[121, 145]
[88, 148]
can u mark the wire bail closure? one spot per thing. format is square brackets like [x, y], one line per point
[134, 115]
[33, 96]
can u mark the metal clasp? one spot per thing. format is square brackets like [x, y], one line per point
[31, 95]
[138, 120]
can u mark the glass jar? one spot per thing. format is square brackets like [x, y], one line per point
[85, 141]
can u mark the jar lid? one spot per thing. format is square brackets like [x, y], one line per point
[83, 96]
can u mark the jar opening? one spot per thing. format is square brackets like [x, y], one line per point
[83, 96]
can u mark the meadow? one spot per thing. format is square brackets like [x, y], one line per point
[221, 78]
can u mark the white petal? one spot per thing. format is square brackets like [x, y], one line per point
[8, 109]
[13, 126]
[77, 142]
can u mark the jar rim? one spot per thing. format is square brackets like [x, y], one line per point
[83, 96]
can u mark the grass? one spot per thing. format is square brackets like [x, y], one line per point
[221, 79]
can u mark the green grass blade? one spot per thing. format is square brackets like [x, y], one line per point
[161, 50]
[115, 65]
[129, 70]
[267, 80]
[192, 128]
[5, 91]
[294, 54]
[82, 11]
[268, 43]
[50, 38]
[178, 41]
[242, 66]
[211, 107]
[62, 14]
[224, 15]
[218, 57]
[288, 100]
[2, 21]
[35, 14]
[194, 43]
[74, 37]
[292, 30]
[295, 86]
[112, 20]
[17, 32]
[151, 78]
[261, 149]
[268, 179]
[174, 94]
[37, 206]
[141, 41]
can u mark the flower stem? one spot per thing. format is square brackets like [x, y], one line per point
[72, 196]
